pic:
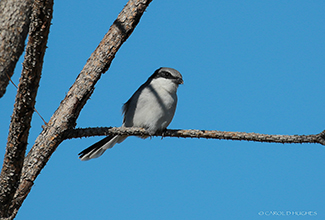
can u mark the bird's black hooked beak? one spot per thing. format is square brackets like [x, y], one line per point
[179, 81]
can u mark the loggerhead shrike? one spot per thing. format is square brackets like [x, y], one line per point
[151, 107]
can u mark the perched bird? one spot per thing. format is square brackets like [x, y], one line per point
[151, 107]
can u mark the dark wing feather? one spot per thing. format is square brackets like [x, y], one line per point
[126, 105]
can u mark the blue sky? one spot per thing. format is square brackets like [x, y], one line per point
[253, 66]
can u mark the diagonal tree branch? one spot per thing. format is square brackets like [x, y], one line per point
[226, 135]
[66, 115]
[14, 23]
[24, 103]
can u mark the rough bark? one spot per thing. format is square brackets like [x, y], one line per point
[65, 116]
[225, 135]
[24, 103]
[14, 23]
[62, 123]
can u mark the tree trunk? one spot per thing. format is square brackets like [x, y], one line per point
[14, 23]
[64, 118]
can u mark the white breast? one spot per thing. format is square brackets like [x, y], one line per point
[154, 106]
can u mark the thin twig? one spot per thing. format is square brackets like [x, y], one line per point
[226, 135]
[45, 123]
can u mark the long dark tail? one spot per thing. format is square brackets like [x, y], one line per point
[98, 148]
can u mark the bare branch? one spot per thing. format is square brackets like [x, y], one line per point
[65, 116]
[14, 23]
[227, 135]
[24, 103]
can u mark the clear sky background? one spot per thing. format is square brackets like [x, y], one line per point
[252, 66]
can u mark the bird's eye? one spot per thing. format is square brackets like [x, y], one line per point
[166, 74]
